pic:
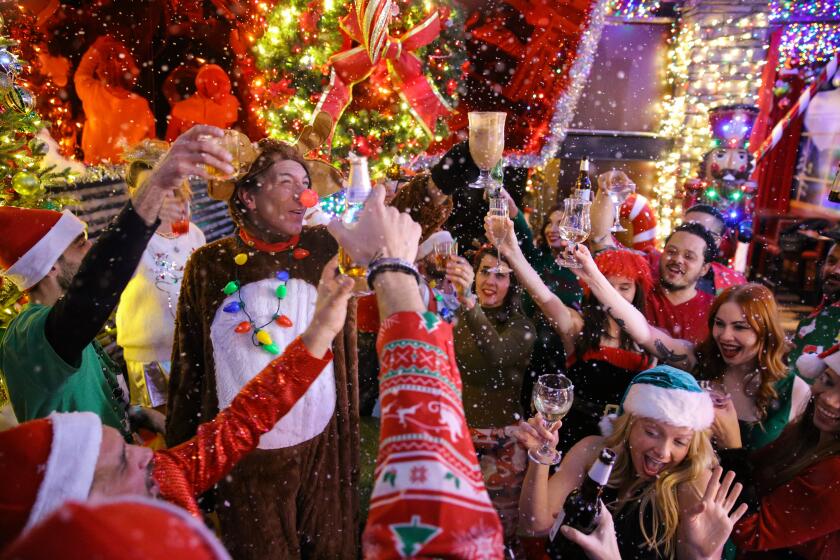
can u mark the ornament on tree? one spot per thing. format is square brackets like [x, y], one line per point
[9, 63]
[20, 99]
[26, 184]
[373, 17]
[395, 101]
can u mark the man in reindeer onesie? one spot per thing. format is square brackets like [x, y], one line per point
[244, 298]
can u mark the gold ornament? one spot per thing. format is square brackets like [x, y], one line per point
[26, 184]
[20, 99]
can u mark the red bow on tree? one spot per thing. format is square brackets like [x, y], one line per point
[351, 66]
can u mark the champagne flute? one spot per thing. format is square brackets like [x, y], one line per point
[618, 193]
[552, 397]
[498, 213]
[574, 228]
[487, 143]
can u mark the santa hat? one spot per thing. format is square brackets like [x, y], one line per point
[428, 245]
[666, 394]
[810, 366]
[44, 463]
[122, 528]
[33, 240]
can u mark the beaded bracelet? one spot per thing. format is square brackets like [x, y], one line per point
[386, 264]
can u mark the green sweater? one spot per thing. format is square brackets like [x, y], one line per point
[41, 382]
[492, 349]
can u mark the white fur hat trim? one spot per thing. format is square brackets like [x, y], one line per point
[677, 407]
[77, 437]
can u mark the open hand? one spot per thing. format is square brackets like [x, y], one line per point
[380, 231]
[334, 291]
[707, 525]
[602, 544]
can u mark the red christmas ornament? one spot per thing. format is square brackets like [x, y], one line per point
[300, 253]
[243, 327]
[361, 146]
[283, 321]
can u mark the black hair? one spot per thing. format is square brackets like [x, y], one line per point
[513, 301]
[711, 211]
[710, 252]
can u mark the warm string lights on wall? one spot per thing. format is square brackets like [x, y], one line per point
[710, 63]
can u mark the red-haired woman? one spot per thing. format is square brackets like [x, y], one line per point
[742, 355]
[602, 358]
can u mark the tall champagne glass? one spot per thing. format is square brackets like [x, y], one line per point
[552, 398]
[487, 143]
[498, 213]
[574, 228]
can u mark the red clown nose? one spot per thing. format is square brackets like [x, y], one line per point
[308, 198]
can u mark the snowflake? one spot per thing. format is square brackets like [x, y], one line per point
[418, 474]
[479, 542]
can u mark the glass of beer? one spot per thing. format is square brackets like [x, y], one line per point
[235, 143]
[487, 143]
[444, 251]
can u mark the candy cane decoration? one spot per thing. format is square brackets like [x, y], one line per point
[797, 110]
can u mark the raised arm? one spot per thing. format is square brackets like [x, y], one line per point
[671, 350]
[601, 217]
[565, 320]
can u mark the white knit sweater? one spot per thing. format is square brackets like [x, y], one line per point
[146, 312]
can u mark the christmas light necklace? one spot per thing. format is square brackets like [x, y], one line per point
[259, 337]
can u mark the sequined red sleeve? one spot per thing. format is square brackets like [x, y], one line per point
[192, 467]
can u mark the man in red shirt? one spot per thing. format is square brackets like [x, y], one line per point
[675, 304]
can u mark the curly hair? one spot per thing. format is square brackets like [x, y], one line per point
[762, 314]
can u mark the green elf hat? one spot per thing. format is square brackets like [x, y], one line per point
[666, 394]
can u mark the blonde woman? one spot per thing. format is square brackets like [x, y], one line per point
[664, 496]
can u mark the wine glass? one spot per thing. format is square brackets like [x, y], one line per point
[498, 212]
[618, 193]
[487, 143]
[574, 228]
[552, 397]
[717, 391]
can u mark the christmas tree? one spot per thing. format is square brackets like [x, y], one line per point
[25, 180]
[294, 54]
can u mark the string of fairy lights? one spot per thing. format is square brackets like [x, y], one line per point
[710, 63]
[812, 30]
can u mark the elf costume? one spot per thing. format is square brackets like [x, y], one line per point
[817, 332]
[48, 462]
[49, 354]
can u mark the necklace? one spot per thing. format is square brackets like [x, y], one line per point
[260, 338]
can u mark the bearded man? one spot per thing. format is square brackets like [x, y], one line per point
[244, 299]
[821, 329]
